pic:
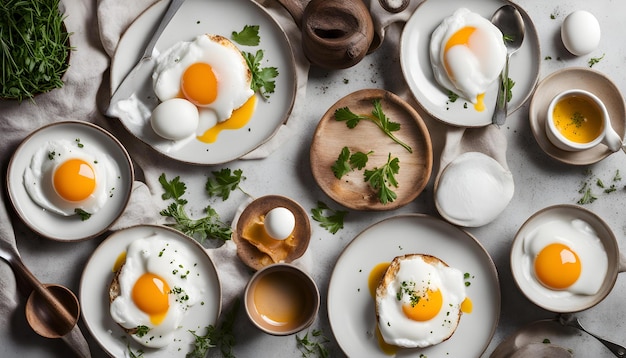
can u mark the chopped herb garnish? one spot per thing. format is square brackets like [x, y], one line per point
[313, 345]
[329, 219]
[51, 155]
[221, 336]
[594, 60]
[408, 288]
[509, 89]
[224, 182]
[578, 119]
[249, 36]
[587, 198]
[508, 38]
[142, 330]
[78, 143]
[452, 97]
[82, 214]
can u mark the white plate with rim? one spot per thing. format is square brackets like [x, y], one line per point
[193, 19]
[70, 228]
[94, 294]
[432, 97]
[351, 309]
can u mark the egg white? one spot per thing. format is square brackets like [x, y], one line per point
[473, 68]
[38, 177]
[580, 237]
[168, 259]
[228, 65]
[396, 328]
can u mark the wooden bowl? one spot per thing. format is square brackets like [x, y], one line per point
[331, 136]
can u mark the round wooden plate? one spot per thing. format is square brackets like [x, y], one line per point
[331, 136]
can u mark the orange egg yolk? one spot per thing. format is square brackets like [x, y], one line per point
[150, 294]
[426, 308]
[74, 180]
[199, 84]
[461, 37]
[557, 266]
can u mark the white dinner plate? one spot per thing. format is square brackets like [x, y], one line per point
[94, 294]
[70, 228]
[351, 309]
[222, 17]
[417, 70]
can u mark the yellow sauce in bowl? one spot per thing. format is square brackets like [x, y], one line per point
[578, 118]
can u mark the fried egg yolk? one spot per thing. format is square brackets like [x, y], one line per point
[150, 294]
[199, 84]
[423, 306]
[557, 266]
[74, 180]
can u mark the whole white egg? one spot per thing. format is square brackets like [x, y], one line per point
[65, 176]
[580, 32]
[279, 223]
[158, 285]
[175, 119]
[564, 258]
[467, 54]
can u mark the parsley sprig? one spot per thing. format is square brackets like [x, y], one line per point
[347, 161]
[209, 226]
[330, 219]
[383, 178]
[249, 36]
[222, 336]
[313, 344]
[262, 77]
[377, 117]
[224, 182]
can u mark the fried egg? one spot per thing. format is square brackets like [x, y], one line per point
[209, 72]
[157, 286]
[467, 54]
[418, 301]
[64, 176]
[565, 258]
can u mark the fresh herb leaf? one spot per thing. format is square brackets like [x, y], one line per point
[313, 345]
[329, 219]
[452, 97]
[142, 330]
[508, 38]
[262, 77]
[131, 354]
[359, 160]
[249, 36]
[594, 60]
[587, 198]
[222, 337]
[82, 214]
[209, 226]
[509, 89]
[224, 182]
[408, 288]
[377, 117]
[383, 178]
[347, 161]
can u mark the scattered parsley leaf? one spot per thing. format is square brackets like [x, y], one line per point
[546, 341]
[358, 160]
[377, 117]
[452, 97]
[547, 58]
[224, 182]
[131, 354]
[142, 330]
[342, 166]
[509, 89]
[209, 226]
[329, 219]
[82, 213]
[313, 345]
[594, 60]
[383, 178]
[617, 176]
[221, 337]
[79, 144]
[249, 36]
[587, 198]
[508, 38]
[262, 77]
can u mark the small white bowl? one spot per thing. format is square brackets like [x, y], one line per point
[281, 299]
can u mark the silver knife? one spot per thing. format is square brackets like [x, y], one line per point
[144, 66]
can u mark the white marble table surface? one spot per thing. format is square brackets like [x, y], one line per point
[540, 182]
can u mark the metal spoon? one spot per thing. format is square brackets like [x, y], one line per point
[571, 321]
[510, 22]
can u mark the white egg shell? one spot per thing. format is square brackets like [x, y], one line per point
[279, 223]
[473, 190]
[580, 32]
[175, 119]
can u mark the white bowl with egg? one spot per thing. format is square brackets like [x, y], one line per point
[70, 180]
[565, 258]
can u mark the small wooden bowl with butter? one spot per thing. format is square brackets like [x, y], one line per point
[256, 247]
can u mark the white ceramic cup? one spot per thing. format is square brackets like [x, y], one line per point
[606, 136]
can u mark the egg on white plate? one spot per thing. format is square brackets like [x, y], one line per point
[209, 72]
[467, 54]
[156, 285]
[565, 258]
[65, 177]
[419, 301]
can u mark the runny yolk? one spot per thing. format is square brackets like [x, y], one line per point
[150, 294]
[240, 117]
[199, 84]
[74, 180]
[480, 103]
[426, 308]
[557, 266]
[461, 37]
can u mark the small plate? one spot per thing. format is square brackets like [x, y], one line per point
[351, 309]
[580, 78]
[331, 136]
[196, 17]
[417, 70]
[247, 252]
[57, 227]
[94, 294]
